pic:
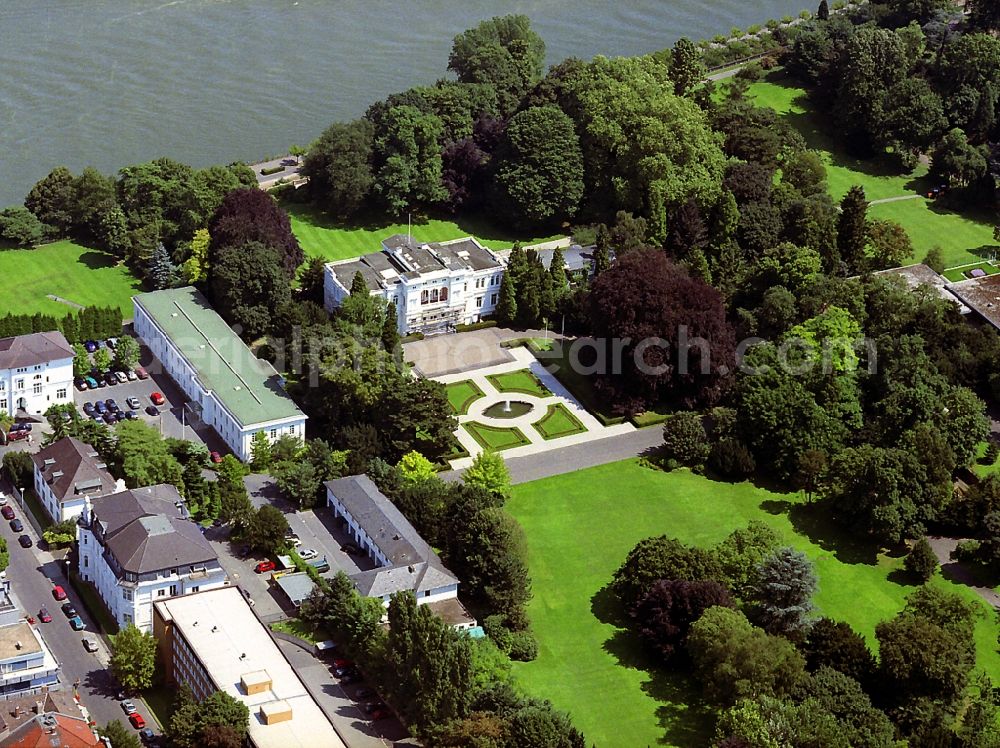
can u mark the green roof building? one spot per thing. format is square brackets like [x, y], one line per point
[231, 389]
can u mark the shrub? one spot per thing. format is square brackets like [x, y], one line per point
[476, 326]
[805, 15]
[498, 632]
[754, 29]
[271, 170]
[787, 19]
[719, 39]
[523, 646]
[773, 24]
[684, 439]
[967, 551]
[731, 459]
[921, 560]
[991, 454]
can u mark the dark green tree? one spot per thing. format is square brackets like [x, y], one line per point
[921, 561]
[852, 228]
[119, 735]
[686, 67]
[684, 439]
[52, 199]
[390, 328]
[557, 269]
[834, 644]
[21, 227]
[133, 658]
[248, 285]
[160, 271]
[660, 558]
[602, 248]
[339, 168]
[408, 160]
[506, 309]
[266, 531]
[823, 12]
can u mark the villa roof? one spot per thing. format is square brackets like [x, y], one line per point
[146, 530]
[73, 469]
[34, 349]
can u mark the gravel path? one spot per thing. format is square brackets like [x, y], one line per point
[954, 571]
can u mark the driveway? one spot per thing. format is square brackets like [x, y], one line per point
[32, 573]
[464, 351]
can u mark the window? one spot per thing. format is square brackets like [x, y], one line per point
[128, 618]
[38, 377]
[493, 299]
[274, 434]
[61, 393]
[3, 385]
[127, 594]
[37, 389]
[86, 561]
[479, 301]
[173, 589]
[19, 384]
[161, 593]
[3, 405]
[194, 589]
[444, 294]
[38, 368]
[427, 593]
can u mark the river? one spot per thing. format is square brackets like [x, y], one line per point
[111, 82]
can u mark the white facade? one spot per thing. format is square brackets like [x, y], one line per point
[211, 404]
[444, 285]
[35, 388]
[131, 600]
[25, 660]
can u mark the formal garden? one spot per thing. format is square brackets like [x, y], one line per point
[579, 528]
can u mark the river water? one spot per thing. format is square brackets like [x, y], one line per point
[111, 82]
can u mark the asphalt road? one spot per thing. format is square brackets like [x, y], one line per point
[32, 573]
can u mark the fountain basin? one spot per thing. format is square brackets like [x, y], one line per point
[508, 409]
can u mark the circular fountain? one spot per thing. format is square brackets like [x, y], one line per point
[508, 409]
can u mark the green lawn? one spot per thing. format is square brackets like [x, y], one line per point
[522, 381]
[462, 394]
[558, 360]
[495, 437]
[579, 528]
[160, 700]
[559, 422]
[78, 274]
[963, 238]
[322, 236]
[298, 627]
[959, 273]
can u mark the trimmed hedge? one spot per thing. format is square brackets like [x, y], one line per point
[486, 323]
[89, 323]
[271, 170]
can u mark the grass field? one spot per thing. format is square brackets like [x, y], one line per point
[579, 528]
[522, 381]
[959, 273]
[963, 238]
[322, 236]
[462, 394]
[78, 274]
[495, 437]
[558, 422]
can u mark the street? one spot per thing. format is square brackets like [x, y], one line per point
[32, 573]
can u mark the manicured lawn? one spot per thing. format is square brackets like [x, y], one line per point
[323, 236]
[495, 437]
[462, 394]
[298, 627]
[558, 359]
[519, 381]
[963, 238]
[579, 528]
[95, 604]
[78, 274]
[558, 422]
[161, 703]
[960, 272]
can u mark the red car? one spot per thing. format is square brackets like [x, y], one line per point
[7, 512]
[141, 373]
[137, 721]
[265, 566]
[157, 398]
[215, 457]
[43, 616]
[58, 593]
[340, 662]
[15, 435]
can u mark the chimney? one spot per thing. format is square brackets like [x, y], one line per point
[39, 707]
[17, 645]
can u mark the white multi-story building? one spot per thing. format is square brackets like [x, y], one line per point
[403, 560]
[434, 286]
[230, 389]
[25, 660]
[138, 547]
[36, 372]
[66, 473]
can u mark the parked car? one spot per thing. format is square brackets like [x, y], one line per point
[43, 615]
[121, 377]
[157, 398]
[293, 540]
[215, 457]
[68, 609]
[133, 402]
[131, 375]
[366, 693]
[146, 735]
[351, 676]
[373, 706]
[350, 548]
[131, 415]
[128, 707]
[340, 662]
[112, 343]
[20, 426]
[17, 435]
[110, 378]
[66, 416]
[76, 623]
[100, 407]
[109, 418]
[137, 721]
[141, 373]
[57, 592]
[7, 512]
[80, 383]
[110, 402]
[16, 526]
[89, 644]
[265, 566]
[90, 345]
[25, 541]
[307, 553]
[289, 162]
[3, 499]
[152, 410]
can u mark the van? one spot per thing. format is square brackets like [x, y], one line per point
[325, 646]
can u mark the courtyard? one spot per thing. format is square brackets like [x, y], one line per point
[518, 408]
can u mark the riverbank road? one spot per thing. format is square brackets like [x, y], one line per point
[270, 172]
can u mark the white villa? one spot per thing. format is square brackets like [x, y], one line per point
[67, 473]
[138, 547]
[230, 389]
[403, 560]
[434, 286]
[36, 372]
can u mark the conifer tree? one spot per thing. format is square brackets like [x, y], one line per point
[602, 250]
[557, 269]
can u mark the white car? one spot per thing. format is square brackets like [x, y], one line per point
[293, 540]
[121, 376]
[307, 553]
[132, 376]
[3, 499]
